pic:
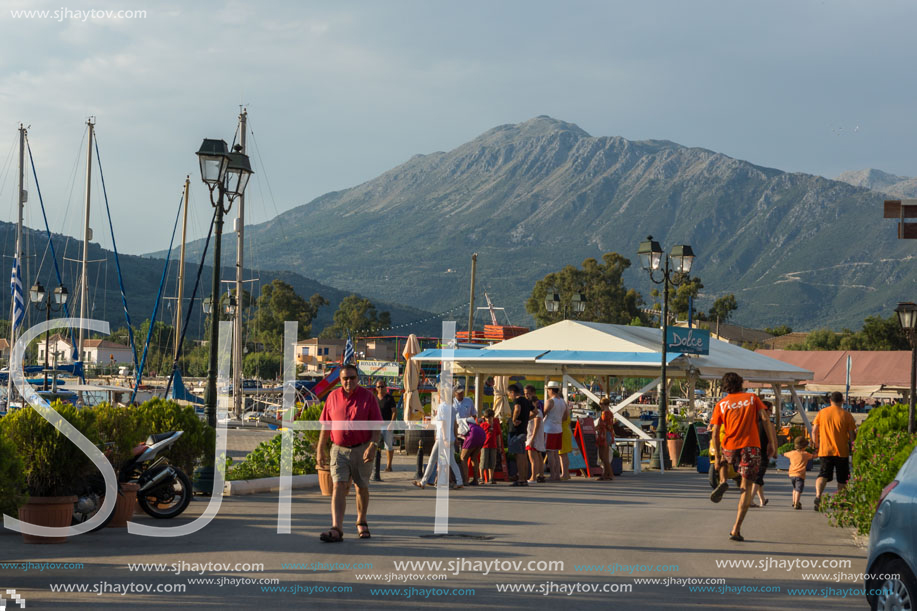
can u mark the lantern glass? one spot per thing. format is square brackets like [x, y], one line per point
[552, 302]
[683, 258]
[61, 295]
[907, 315]
[37, 293]
[579, 303]
[214, 159]
[650, 254]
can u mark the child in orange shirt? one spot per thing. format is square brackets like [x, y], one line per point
[799, 458]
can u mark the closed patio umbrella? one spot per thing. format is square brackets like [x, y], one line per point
[501, 401]
[413, 410]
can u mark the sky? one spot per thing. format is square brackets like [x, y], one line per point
[338, 92]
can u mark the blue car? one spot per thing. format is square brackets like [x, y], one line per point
[893, 543]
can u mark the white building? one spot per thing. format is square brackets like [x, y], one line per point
[95, 351]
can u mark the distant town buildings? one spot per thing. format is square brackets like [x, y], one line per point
[315, 355]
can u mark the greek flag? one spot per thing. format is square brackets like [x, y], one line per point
[348, 352]
[16, 288]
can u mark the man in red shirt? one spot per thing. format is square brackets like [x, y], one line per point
[738, 414]
[352, 450]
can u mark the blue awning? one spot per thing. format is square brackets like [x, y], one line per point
[470, 355]
[594, 357]
[551, 357]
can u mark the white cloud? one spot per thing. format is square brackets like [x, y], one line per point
[341, 92]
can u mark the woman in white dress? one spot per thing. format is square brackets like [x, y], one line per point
[444, 434]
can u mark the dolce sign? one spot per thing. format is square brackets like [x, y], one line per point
[687, 341]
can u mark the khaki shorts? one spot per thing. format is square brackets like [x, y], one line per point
[347, 464]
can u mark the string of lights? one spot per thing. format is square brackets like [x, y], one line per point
[415, 322]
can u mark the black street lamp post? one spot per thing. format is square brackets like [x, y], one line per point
[654, 259]
[42, 300]
[907, 317]
[226, 175]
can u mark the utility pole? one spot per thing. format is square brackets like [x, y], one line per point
[237, 320]
[474, 269]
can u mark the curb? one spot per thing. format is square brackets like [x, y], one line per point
[267, 484]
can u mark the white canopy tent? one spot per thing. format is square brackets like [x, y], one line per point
[575, 350]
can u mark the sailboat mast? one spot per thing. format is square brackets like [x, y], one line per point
[87, 235]
[181, 270]
[22, 199]
[237, 322]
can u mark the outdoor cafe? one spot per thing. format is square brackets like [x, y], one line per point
[579, 352]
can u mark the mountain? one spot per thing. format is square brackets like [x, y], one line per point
[877, 180]
[530, 198]
[142, 276]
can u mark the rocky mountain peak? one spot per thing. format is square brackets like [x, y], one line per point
[877, 180]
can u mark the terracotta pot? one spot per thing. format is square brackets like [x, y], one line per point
[47, 511]
[675, 449]
[324, 481]
[327, 484]
[124, 505]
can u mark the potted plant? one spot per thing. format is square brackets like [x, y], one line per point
[674, 437]
[53, 465]
[198, 440]
[703, 461]
[121, 429]
[617, 463]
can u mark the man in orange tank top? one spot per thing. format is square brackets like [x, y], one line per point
[833, 432]
[738, 415]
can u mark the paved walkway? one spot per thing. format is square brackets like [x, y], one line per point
[643, 521]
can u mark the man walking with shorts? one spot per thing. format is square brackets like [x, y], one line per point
[555, 408]
[833, 432]
[738, 415]
[352, 451]
[388, 409]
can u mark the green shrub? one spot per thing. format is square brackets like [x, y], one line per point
[12, 479]
[123, 427]
[881, 421]
[882, 445]
[787, 447]
[197, 441]
[53, 465]
[264, 461]
[312, 413]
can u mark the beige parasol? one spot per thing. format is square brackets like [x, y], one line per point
[413, 410]
[501, 400]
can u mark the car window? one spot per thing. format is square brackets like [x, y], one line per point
[908, 470]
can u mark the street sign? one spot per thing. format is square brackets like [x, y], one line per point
[378, 369]
[687, 341]
[903, 209]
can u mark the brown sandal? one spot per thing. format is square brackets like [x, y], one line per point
[364, 533]
[332, 535]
